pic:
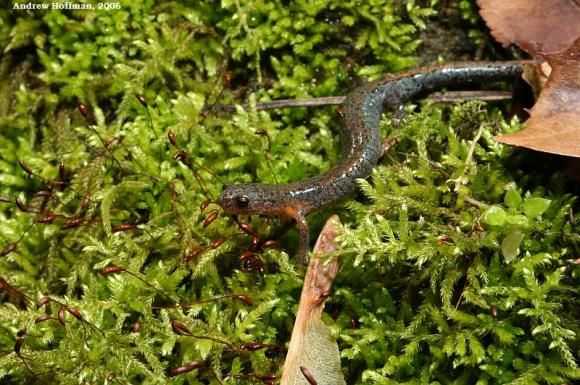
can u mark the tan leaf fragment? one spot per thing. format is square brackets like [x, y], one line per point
[554, 125]
[534, 25]
[312, 346]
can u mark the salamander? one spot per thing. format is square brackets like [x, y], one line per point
[361, 144]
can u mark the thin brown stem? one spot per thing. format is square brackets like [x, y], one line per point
[440, 97]
[190, 304]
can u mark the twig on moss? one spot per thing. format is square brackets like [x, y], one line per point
[477, 203]
[440, 97]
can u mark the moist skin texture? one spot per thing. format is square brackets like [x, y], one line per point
[361, 144]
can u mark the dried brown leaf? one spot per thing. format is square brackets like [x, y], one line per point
[554, 125]
[312, 345]
[534, 25]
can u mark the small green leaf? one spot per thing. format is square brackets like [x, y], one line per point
[513, 198]
[510, 246]
[495, 216]
[534, 207]
[519, 220]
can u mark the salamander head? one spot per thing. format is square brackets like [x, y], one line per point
[252, 199]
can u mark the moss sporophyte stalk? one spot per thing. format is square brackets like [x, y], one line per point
[458, 254]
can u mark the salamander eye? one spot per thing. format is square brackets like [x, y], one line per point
[242, 201]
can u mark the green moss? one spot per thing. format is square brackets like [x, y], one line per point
[475, 274]
[448, 231]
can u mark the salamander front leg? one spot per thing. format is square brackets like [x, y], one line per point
[304, 245]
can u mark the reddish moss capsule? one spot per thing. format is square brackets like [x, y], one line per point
[171, 137]
[141, 100]
[195, 253]
[86, 200]
[228, 77]
[72, 223]
[21, 334]
[445, 240]
[217, 243]
[210, 218]
[245, 299]
[494, 312]
[270, 244]
[83, 110]
[252, 346]
[123, 227]
[353, 323]
[255, 242]
[195, 364]
[18, 345]
[179, 370]
[62, 170]
[21, 206]
[341, 112]
[43, 301]
[203, 206]
[111, 377]
[61, 315]
[8, 249]
[261, 132]
[42, 318]
[246, 255]
[46, 219]
[75, 313]
[24, 167]
[181, 154]
[136, 327]
[246, 228]
[42, 193]
[111, 269]
[180, 329]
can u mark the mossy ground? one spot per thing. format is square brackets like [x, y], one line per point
[459, 254]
